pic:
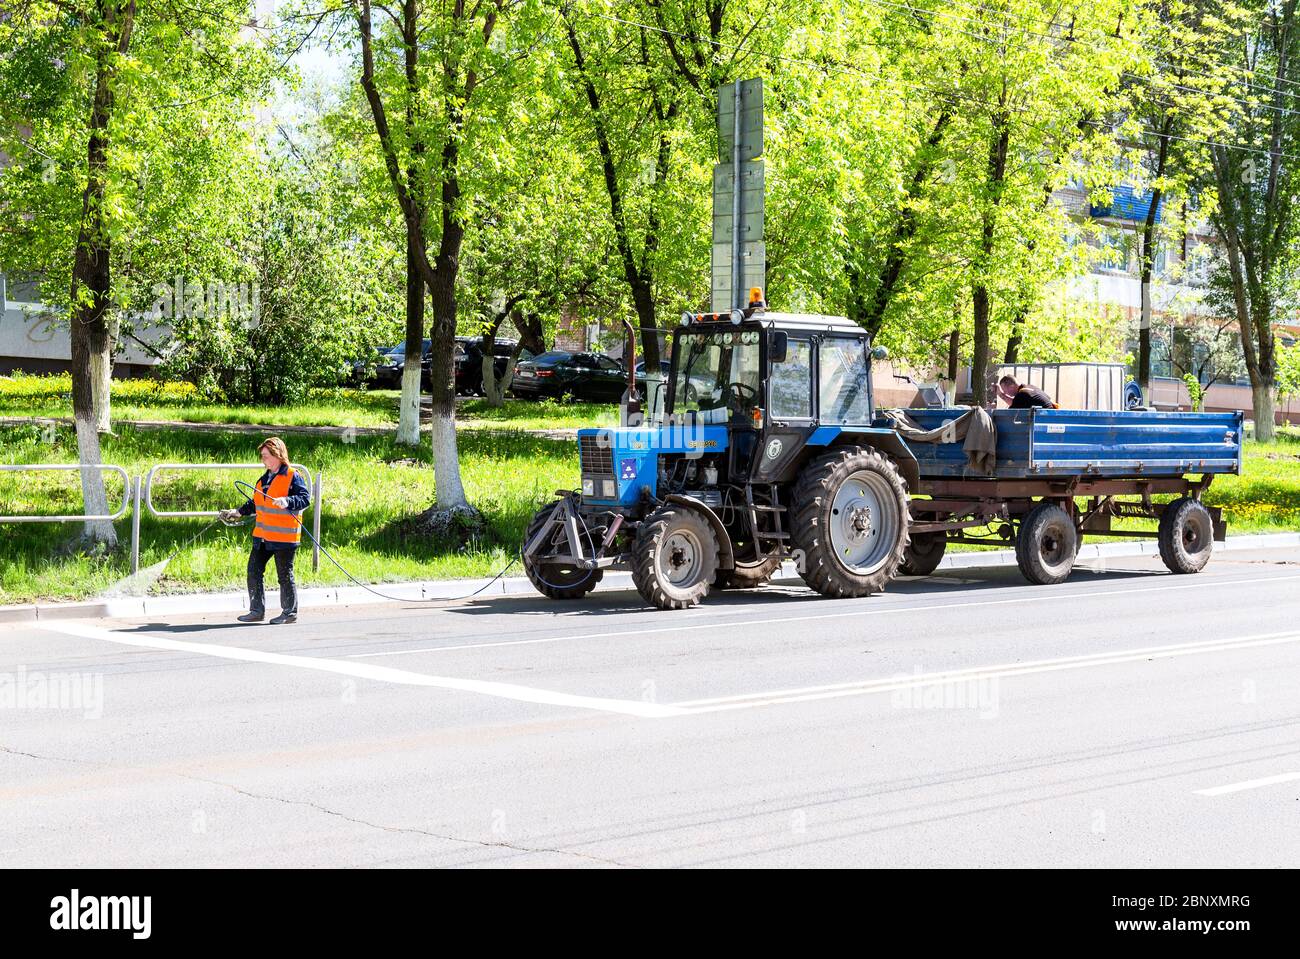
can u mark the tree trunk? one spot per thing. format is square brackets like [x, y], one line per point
[639, 276]
[91, 334]
[1265, 405]
[979, 365]
[493, 388]
[1014, 340]
[446, 457]
[83, 413]
[408, 412]
[1148, 265]
[997, 167]
[101, 373]
[870, 311]
[531, 332]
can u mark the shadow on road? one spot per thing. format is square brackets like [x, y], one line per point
[788, 593]
[188, 627]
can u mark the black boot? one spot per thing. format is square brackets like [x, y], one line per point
[251, 617]
[285, 618]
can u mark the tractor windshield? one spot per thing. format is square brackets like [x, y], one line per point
[716, 371]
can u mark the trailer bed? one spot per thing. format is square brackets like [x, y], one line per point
[1038, 443]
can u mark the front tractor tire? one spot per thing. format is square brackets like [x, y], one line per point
[850, 523]
[675, 558]
[556, 580]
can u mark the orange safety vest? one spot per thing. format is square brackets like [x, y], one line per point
[276, 525]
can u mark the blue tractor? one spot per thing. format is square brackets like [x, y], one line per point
[765, 451]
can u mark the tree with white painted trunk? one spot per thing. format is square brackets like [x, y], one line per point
[447, 72]
[91, 333]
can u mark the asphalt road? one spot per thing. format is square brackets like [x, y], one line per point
[1126, 718]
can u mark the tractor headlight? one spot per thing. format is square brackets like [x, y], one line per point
[588, 487]
[607, 489]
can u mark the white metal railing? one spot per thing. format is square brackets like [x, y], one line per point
[67, 468]
[137, 495]
[153, 471]
[317, 485]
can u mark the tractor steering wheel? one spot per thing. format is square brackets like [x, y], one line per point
[738, 401]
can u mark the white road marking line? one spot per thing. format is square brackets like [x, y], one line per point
[921, 680]
[1248, 784]
[385, 674]
[1050, 594]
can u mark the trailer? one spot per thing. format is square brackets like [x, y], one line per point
[1060, 475]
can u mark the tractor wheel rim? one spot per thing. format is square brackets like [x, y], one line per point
[864, 522]
[1194, 537]
[681, 558]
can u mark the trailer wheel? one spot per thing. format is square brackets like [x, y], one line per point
[1046, 545]
[1186, 536]
[923, 554]
[850, 522]
[554, 580]
[675, 558]
[747, 575]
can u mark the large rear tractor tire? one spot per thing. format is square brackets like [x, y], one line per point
[1046, 545]
[1186, 536]
[553, 580]
[850, 522]
[675, 558]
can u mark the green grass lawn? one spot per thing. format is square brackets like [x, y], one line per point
[369, 486]
[51, 397]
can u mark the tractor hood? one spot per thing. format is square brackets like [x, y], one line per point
[617, 464]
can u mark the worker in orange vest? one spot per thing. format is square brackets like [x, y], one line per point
[282, 496]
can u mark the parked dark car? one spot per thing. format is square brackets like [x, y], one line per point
[362, 372]
[584, 376]
[469, 362]
[388, 374]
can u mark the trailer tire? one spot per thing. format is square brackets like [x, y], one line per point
[850, 522]
[1186, 535]
[923, 554]
[1046, 545]
[554, 581]
[675, 558]
[747, 575]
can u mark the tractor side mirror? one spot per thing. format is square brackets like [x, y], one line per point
[879, 353]
[778, 346]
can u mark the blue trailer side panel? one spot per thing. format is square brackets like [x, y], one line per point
[1133, 443]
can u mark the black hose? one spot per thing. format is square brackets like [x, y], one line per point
[399, 599]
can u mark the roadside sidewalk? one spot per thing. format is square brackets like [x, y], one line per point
[462, 589]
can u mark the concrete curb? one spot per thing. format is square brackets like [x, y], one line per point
[140, 607]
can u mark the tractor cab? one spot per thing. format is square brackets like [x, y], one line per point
[709, 496]
[778, 381]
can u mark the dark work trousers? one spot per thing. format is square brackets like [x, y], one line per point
[257, 561]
